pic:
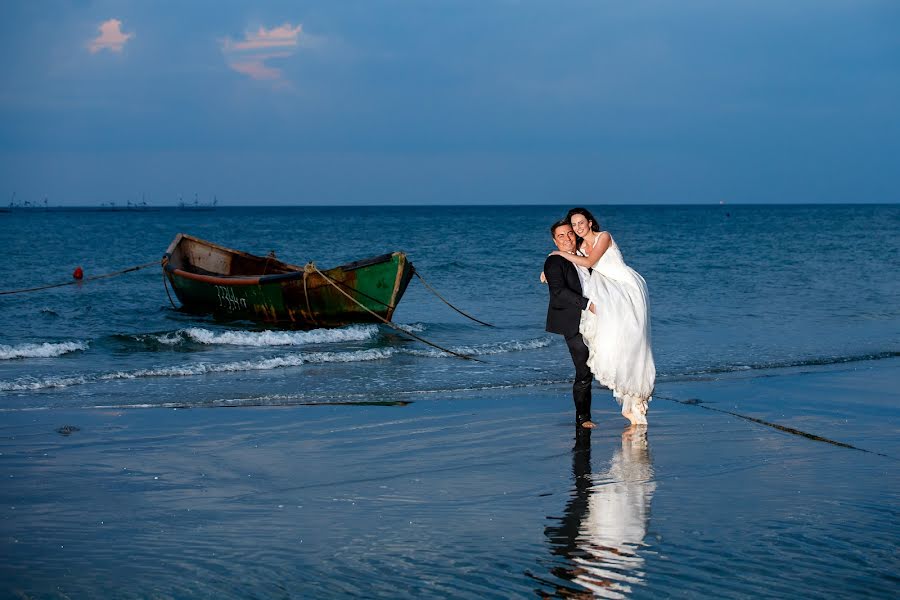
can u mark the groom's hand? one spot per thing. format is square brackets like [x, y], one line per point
[592, 308]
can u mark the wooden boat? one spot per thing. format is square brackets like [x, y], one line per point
[230, 284]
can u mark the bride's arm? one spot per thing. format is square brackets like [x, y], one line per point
[602, 245]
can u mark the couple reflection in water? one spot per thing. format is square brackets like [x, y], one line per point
[601, 533]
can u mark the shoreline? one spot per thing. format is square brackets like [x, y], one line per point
[488, 494]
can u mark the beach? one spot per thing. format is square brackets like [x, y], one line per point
[466, 494]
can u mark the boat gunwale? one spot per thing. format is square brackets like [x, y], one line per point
[274, 278]
[242, 280]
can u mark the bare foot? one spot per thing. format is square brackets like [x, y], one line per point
[631, 418]
[588, 425]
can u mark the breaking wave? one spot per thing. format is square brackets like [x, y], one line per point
[264, 364]
[45, 350]
[276, 362]
[262, 339]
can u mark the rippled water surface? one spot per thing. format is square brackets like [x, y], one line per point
[366, 464]
[731, 288]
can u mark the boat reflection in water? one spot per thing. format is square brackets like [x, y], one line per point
[602, 531]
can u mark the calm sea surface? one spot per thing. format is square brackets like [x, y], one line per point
[476, 487]
[732, 288]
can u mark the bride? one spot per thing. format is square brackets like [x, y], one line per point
[618, 335]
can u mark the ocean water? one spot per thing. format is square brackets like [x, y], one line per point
[423, 475]
[732, 288]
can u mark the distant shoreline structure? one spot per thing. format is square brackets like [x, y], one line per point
[196, 206]
[110, 206]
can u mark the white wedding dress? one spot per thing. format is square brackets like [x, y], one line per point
[618, 336]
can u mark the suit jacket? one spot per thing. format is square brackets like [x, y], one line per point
[566, 301]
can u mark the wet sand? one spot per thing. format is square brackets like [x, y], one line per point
[482, 494]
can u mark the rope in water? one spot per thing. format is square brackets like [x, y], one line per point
[166, 285]
[441, 298]
[784, 428]
[694, 402]
[312, 266]
[92, 278]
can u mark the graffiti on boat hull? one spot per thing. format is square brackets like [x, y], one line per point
[228, 300]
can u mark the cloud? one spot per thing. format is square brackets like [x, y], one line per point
[249, 56]
[111, 37]
[277, 37]
[255, 69]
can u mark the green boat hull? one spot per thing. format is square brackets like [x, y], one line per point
[365, 291]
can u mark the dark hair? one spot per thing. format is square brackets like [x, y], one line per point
[595, 226]
[557, 225]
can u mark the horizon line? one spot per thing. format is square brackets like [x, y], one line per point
[208, 207]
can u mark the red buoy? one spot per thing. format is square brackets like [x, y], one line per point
[78, 273]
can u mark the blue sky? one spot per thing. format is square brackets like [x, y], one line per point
[445, 102]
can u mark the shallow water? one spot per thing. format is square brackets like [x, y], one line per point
[460, 496]
[366, 464]
[732, 288]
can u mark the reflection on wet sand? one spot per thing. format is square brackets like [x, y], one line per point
[605, 521]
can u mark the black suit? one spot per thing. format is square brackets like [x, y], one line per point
[563, 317]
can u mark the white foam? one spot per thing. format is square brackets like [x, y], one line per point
[32, 383]
[411, 327]
[485, 349]
[45, 350]
[187, 370]
[268, 338]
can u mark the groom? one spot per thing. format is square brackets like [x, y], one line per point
[564, 316]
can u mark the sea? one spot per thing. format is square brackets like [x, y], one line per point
[150, 453]
[732, 288]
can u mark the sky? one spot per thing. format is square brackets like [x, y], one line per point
[418, 102]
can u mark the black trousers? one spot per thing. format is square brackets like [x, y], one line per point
[581, 389]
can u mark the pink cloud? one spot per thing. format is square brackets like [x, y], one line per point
[255, 69]
[277, 37]
[249, 56]
[111, 37]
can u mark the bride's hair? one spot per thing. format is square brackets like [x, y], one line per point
[595, 226]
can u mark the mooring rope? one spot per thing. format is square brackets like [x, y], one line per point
[387, 322]
[309, 312]
[441, 298]
[92, 278]
[427, 286]
[784, 428]
[166, 285]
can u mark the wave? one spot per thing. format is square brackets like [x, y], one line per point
[298, 359]
[411, 327]
[277, 362]
[262, 339]
[486, 349]
[45, 350]
[263, 364]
